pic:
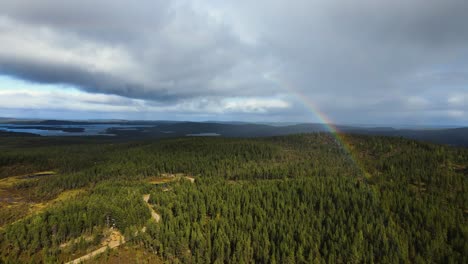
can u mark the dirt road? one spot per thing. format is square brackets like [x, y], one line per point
[114, 240]
[155, 215]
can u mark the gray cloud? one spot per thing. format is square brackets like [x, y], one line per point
[151, 50]
[361, 58]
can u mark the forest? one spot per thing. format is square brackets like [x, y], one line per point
[305, 198]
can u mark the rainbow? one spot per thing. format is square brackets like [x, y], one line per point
[327, 122]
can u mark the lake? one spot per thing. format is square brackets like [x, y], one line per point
[68, 130]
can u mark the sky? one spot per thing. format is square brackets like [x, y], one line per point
[346, 62]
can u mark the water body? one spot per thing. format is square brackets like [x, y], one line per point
[204, 135]
[55, 130]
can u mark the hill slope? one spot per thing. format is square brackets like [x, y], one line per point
[297, 199]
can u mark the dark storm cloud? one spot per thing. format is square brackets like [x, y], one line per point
[348, 57]
[151, 50]
[43, 72]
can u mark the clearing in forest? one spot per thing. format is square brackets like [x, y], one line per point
[17, 203]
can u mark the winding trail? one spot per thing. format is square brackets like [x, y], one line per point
[155, 215]
[115, 239]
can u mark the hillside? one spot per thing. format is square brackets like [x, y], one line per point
[285, 199]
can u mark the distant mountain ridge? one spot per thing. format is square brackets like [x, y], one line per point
[168, 128]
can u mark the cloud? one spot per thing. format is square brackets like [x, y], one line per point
[458, 100]
[363, 60]
[76, 100]
[168, 53]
